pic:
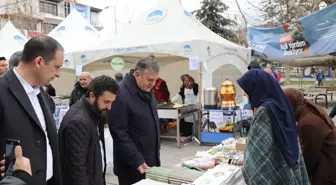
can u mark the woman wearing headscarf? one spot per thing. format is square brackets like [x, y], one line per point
[189, 95]
[317, 135]
[272, 154]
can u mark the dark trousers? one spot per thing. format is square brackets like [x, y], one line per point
[132, 179]
[320, 83]
[186, 128]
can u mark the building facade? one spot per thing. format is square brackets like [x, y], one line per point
[35, 17]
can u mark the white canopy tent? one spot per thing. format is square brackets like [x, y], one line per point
[75, 34]
[167, 28]
[11, 40]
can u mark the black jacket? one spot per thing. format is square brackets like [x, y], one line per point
[79, 146]
[134, 125]
[77, 94]
[19, 121]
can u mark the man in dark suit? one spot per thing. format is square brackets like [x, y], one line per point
[24, 114]
[14, 62]
[134, 124]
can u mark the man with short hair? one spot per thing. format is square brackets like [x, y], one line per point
[3, 65]
[24, 114]
[14, 62]
[134, 124]
[79, 140]
[81, 87]
[15, 59]
[119, 77]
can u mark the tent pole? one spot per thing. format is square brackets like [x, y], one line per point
[200, 93]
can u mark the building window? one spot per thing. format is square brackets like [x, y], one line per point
[49, 27]
[47, 7]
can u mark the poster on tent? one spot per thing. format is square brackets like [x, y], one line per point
[85, 11]
[311, 35]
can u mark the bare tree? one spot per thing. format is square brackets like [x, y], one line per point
[278, 12]
[242, 33]
[24, 14]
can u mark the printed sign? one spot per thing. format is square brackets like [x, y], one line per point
[311, 35]
[117, 63]
[194, 63]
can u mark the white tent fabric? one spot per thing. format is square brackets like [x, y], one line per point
[167, 28]
[11, 40]
[74, 33]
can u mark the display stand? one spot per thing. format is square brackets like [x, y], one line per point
[212, 138]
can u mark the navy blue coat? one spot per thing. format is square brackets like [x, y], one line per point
[134, 125]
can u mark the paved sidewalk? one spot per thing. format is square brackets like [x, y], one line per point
[170, 156]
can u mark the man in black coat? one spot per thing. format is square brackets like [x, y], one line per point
[24, 114]
[79, 141]
[134, 124]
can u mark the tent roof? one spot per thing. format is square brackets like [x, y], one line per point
[166, 23]
[169, 19]
[75, 33]
[11, 39]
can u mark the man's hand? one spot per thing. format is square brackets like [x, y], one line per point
[21, 163]
[143, 168]
[2, 168]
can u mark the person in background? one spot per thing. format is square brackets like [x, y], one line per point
[81, 87]
[272, 154]
[320, 78]
[317, 134]
[15, 59]
[14, 62]
[50, 90]
[3, 65]
[134, 123]
[161, 91]
[25, 115]
[79, 141]
[278, 76]
[254, 65]
[22, 170]
[119, 77]
[189, 95]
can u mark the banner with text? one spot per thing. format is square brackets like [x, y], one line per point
[311, 35]
[85, 11]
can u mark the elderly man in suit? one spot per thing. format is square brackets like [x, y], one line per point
[24, 113]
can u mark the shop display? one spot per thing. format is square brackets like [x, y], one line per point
[174, 175]
[198, 163]
[228, 95]
[223, 174]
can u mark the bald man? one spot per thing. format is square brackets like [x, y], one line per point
[81, 87]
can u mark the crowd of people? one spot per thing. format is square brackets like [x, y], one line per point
[291, 141]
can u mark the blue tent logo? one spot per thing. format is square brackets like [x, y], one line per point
[187, 48]
[188, 14]
[66, 62]
[88, 28]
[155, 16]
[18, 37]
[83, 58]
[62, 28]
